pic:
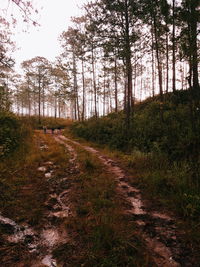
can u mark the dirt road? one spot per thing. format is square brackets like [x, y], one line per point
[158, 230]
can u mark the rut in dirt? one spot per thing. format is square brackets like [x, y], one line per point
[158, 230]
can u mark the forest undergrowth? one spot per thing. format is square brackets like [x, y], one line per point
[160, 150]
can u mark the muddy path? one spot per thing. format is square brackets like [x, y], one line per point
[157, 229]
[40, 243]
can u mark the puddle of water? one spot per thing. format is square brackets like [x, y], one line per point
[42, 169]
[164, 256]
[137, 205]
[140, 223]
[49, 261]
[161, 216]
[20, 235]
[50, 237]
[5, 220]
[60, 214]
[48, 175]
[48, 163]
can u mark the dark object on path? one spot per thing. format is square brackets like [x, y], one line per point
[45, 129]
[52, 130]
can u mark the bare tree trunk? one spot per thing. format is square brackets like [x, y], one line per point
[152, 63]
[83, 83]
[158, 58]
[116, 89]
[173, 49]
[43, 99]
[39, 98]
[104, 92]
[76, 100]
[29, 99]
[125, 91]
[128, 65]
[55, 106]
[194, 49]
[167, 62]
[94, 84]
[59, 106]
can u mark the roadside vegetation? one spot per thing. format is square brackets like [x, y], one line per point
[161, 148]
[13, 133]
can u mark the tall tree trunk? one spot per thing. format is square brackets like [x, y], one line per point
[194, 49]
[75, 96]
[83, 84]
[29, 98]
[55, 106]
[125, 91]
[128, 64]
[43, 99]
[173, 48]
[116, 89]
[152, 62]
[94, 83]
[158, 57]
[59, 106]
[167, 62]
[39, 98]
[104, 92]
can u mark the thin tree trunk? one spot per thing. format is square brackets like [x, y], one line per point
[83, 83]
[158, 58]
[167, 62]
[194, 19]
[39, 98]
[94, 83]
[116, 90]
[104, 92]
[128, 64]
[152, 64]
[55, 107]
[173, 49]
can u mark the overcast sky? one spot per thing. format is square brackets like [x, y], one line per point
[54, 18]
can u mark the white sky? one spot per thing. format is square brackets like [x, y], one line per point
[54, 18]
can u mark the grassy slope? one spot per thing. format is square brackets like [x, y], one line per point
[163, 157]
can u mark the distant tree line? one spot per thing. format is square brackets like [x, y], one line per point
[116, 53]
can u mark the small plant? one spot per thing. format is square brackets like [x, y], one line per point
[191, 205]
[88, 164]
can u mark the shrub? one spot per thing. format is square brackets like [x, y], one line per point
[12, 132]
